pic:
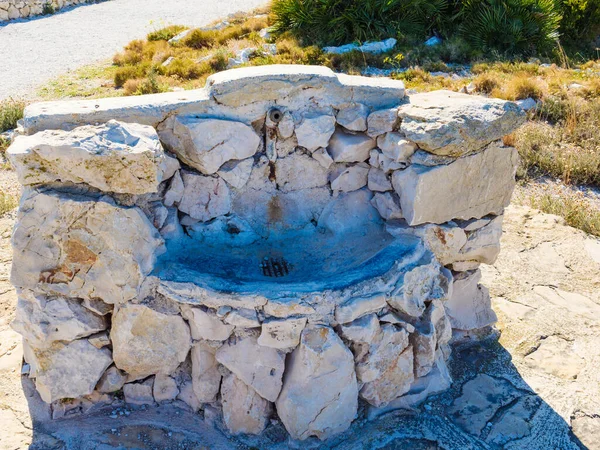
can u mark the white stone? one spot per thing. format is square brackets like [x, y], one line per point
[187, 395]
[424, 341]
[353, 117]
[165, 388]
[378, 181]
[139, 393]
[243, 318]
[259, 367]
[82, 247]
[244, 411]
[236, 173]
[299, 171]
[346, 147]
[206, 377]
[147, 342]
[114, 157]
[286, 126]
[360, 306]
[111, 381]
[175, 192]
[470, 187]
[352, 179]
[374, 158]
[375, 48]
[281, 334]
[314, 132]
[527, 104]
[204, 198]
[57, 376]
[382, 121]
[396, 147]
[323, 157]
[99, 340]
[207, 144]
[42, 320]
[349, 212]
[364, 329]
[469, 307]
[483, 244]
[388, 165]
[320, 393]
[205, 324]
[388, 205]
[450, 123]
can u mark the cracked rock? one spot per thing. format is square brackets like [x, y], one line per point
[244, 411]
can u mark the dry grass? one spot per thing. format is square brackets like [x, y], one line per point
[7, 203]
[10, 112]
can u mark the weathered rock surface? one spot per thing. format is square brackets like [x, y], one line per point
[314, 132]
[282, 334]
[258, 366]
[346, 147]
[396, 147]
[382, 121]
[205, 324]
[299, 171]
[236, 173]
[82, 247]
[111, 381]
[320, 393]
[469, 307]
[244, 411]
[449, 123]
[115, 157]
[43, 320]
[480, 184]
[351, 179]
[147, 342]
[56, 375]
[378, 181]
[139, 393]
[357, 307]
[204, 198]
[206, 377]
[388, 205]
[353, 117]
[164, 389]
[207, 144]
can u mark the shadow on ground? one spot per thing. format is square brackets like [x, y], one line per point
[489, 406]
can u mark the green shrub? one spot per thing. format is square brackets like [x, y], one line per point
[10, 112]
[200, 39]
[48, 9]
[7, 203]
[164, 34]
[341, 21]
[580, 22]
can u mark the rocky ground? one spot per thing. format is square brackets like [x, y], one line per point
[537, 387]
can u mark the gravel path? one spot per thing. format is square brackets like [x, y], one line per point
[37, 50]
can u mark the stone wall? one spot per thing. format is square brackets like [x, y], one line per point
[286, 242]
[20, 9]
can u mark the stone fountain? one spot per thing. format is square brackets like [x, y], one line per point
[286, 243]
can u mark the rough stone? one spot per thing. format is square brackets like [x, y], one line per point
[323, 157]
[483, 244]
[351, 179]
[378, 181]
[206, 324]
[357, 307]
[243, 318]
[424, 342]
[364, 329]
[383, 121]
[320, 393]
[299, 171]
[111, 381]
[236, 173]
[349, 212]
[147, 342]
[99, 340]
[469, 307]
[244, 411]
[260, 367]
[286, 127]
[206, 377]
[57, 377]
[450, 123]
[165, 388]
[175, 192]
[388, 205]
[470, 187]
[207, 144]
[314, 132]
[281, 334]
[346, 147]
[396, 147]
[139, 393]
[204, 198]
[116, 157]
[353, 117]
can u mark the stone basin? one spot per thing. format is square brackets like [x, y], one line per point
[285, 241]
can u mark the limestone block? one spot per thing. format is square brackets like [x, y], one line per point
[378, 181]
[243, 318]
[114, 157]
[382, 121]
[111, 381]
[396, 147]
[299, 171]
[281, 334]
[364, 329]
[346, 147]
[357, 307]
[236, 173]
[323, 157]
[388, 205]
[353, 117]
[207, 144]
[13, 12]
[187, 395]
[165, 388]
[450, 123]
[82, 247]
[258, 366]
[204, 198]
[286, 127]
[99, 340]
[351, 179]
[424, 341]
[314, 132]
[206, 324]
[470, 187]
[469, 307]
[244, 411]
[67, 370]
[175, 192]
[147, 342]
[349, 212]
[320, 393]
[43, 320]
[483, 244]
[139, 393]
[206, 377]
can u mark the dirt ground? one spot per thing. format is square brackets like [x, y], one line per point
[536, 387]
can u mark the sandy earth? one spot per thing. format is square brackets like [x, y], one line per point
[37, 50]
[537, 387]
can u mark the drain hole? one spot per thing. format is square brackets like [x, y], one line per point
[275, 267]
